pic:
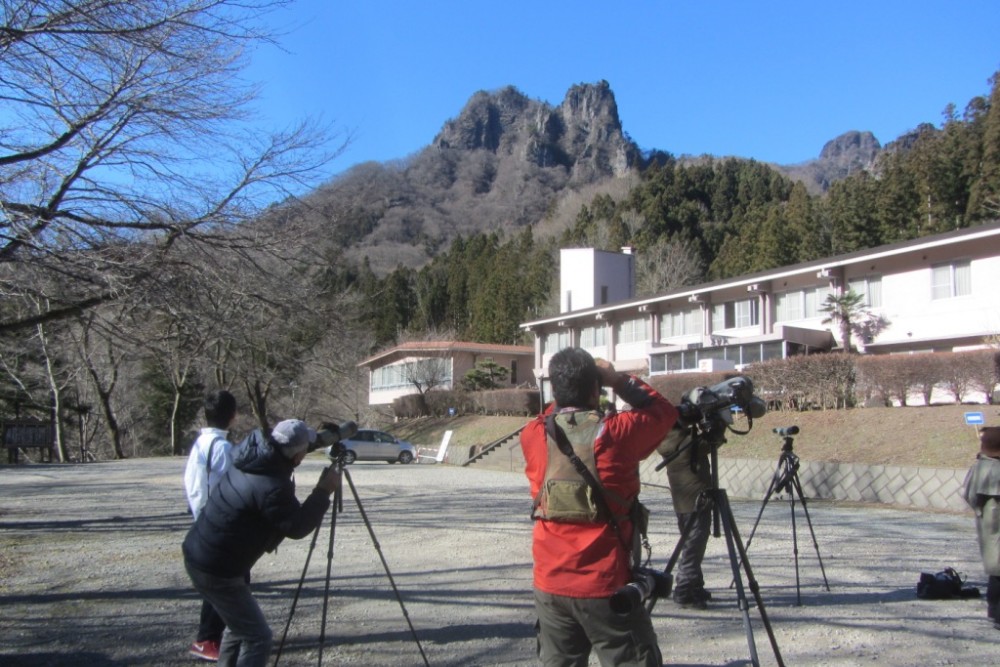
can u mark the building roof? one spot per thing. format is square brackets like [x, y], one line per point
[442, 348]
[903, 247]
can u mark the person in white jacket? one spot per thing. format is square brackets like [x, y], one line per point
[211, 456]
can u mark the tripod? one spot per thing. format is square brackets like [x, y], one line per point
[337, 506]
[786, 480]
[716, 500]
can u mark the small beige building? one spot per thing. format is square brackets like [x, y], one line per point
[420, 366]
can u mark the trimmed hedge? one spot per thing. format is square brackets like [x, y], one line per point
[491, 402]
[824, 381]
[816, 381]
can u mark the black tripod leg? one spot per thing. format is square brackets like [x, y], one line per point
[338, 506]
[812, 533]
[767, 497]
[734, 545]
[385, 565]
[795, 550]
[298, 591]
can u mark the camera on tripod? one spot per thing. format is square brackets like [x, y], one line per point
[709, 405]
[646, 583]
[330, 435]
[706, 412]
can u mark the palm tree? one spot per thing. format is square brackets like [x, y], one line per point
[849, 312]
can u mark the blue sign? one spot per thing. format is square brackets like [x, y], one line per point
[974, 418]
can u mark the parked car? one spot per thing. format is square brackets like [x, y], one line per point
[371, 445]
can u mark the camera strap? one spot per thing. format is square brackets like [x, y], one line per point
[559, 437]
[208, 458]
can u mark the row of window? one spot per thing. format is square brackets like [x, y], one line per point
[947, 281]
[436, 371]
[689, 360]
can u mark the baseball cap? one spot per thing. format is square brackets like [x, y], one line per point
[293, 436]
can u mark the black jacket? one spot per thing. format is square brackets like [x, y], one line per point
[251, 511]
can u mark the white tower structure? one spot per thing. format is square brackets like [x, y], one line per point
[589, 278]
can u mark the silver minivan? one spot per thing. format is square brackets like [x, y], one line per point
[371, 445]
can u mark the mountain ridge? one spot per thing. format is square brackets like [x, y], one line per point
[504, 162]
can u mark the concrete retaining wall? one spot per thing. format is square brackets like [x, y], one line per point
[901, 486]
[904, 486]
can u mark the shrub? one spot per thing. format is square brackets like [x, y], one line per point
[508, 401]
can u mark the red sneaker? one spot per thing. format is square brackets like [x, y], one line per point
[206, 650]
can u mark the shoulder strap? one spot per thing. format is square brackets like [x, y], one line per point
[208, 457]
[559, 436]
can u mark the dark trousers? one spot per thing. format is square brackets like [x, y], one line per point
[247, 639]
[210, 624]
[569, 628]
[993, 598]
[689, 579]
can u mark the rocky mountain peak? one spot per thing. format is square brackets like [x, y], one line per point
[852, 150]
[583, 134]
[842, 156]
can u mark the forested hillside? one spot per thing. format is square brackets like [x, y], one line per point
[696, 220]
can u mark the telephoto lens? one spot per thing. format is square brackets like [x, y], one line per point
[646, 583]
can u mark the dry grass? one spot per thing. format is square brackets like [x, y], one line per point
[935, 436]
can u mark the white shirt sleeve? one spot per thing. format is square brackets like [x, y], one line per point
[198, 480]
[195, 480]
[221, 460]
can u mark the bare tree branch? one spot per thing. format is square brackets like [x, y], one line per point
[123, 128]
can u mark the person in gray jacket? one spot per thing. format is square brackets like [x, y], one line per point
[982, 492]
[250, 511]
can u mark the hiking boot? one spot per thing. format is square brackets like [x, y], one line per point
[691, 600]
[206, 650]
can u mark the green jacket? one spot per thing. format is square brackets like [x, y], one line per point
[982, 492]
[688, 472]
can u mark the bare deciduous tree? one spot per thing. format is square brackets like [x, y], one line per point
[667, 265]
[123, 128]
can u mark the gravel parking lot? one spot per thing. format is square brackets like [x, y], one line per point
[91, 575]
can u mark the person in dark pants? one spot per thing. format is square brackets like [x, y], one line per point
[250, 512]
[582, 557]
[208, 461]
[689, 475]
[982, 493]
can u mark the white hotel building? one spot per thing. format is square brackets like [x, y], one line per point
[938, 293]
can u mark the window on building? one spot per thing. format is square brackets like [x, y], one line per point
[604, 294]
[634, 331]
[681, 323]
[870, 287]
[950, 280]
[736, 314]
[435, 370]
[801, 304]
[555, 341]
[688, 360]
[591, 337]
[788, 306]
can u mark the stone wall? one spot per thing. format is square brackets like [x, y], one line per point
[902, 486]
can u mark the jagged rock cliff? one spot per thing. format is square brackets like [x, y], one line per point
[582, 135]
[849, 153]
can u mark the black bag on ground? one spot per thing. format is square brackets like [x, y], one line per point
[944, 585]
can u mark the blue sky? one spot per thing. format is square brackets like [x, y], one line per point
[766, 80]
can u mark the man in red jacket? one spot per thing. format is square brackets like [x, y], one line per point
[581, 555]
